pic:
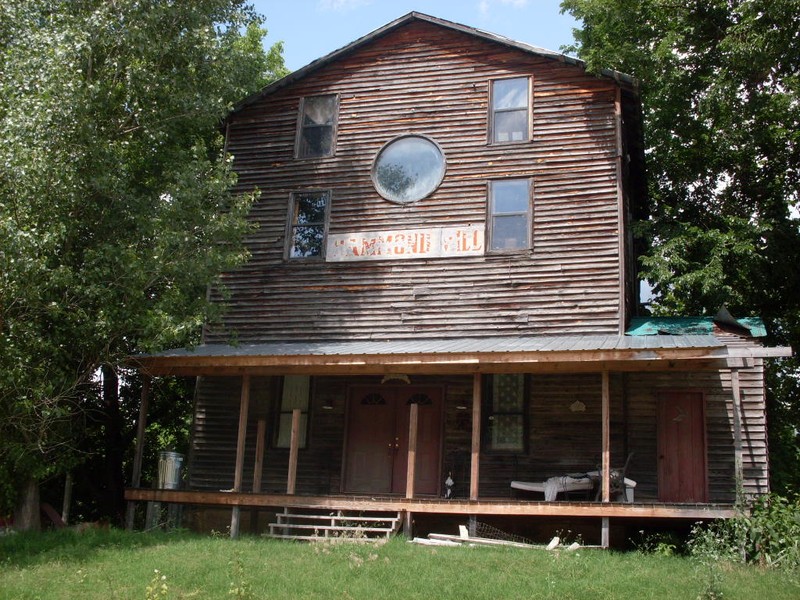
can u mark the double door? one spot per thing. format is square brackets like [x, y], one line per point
[376, 454]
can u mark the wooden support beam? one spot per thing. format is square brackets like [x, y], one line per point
[509, 507]
[411, 469]
[258, 465]
[738, 453]
[244, 405]
[136, 478]
[605, 536]
[605, 477]
[474, 473]
[294, 444]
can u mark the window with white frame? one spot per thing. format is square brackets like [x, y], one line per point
[295, 393]
[510, 112]
[307, 224]
[509, 215]
[316, 127]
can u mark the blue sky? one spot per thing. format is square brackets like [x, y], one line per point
[311, 29]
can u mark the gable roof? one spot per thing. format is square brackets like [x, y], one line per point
[317, 64]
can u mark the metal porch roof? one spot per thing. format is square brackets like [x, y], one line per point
[453, 355]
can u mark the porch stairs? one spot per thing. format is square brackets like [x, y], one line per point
[350, 526]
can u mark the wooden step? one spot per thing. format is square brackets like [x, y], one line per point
[346, 519]
[339, 526]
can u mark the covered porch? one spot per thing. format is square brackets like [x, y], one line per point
[602, 372]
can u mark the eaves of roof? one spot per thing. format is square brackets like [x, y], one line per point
[313, 66]
[450, 355]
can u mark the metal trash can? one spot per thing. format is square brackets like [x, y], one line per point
[169, 470]
[169, 478]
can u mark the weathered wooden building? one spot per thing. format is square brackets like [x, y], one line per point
[442, 300]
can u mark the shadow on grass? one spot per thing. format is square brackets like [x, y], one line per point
[27, 549]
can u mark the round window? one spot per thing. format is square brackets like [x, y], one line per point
[407, 169]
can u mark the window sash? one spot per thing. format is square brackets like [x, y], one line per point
[316, 126]
[506, 418]
[509, 215]
[308, 224]
[510, 110]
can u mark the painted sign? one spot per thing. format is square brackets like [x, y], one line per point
[432, 242]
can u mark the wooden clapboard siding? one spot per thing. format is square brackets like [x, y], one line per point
[423, 79]
[560, 440]
[642, 431]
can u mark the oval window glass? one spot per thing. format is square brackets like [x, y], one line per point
[408, 169]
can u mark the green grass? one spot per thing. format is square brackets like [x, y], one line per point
[114, 564]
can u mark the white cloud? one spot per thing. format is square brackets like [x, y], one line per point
[341, 5]
[485, 6]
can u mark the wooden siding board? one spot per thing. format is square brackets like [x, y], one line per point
[567, 283]
[561, 441]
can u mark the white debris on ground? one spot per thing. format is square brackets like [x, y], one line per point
[445, 539]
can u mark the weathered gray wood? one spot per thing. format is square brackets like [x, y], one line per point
[411, 468]
[606, 443]
[474, 479]
[444, 507]
[294, 444]
[244, 405]
[423, 79]
[136, 477]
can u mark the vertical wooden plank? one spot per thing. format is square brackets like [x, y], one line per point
[605, 536]
[476, 436]
[737, 432]
[623, 234]
[411, 468]
[261, 436]
[136, 478]
[294, 444]
[606, 433]
[244, 405]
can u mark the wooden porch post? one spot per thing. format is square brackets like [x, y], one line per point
[244, 405]
[136, 478]
[258, 466]
[294, 444]
[476, 436]
[413, 420]
[738, 460]
[605, 481]
[411, 468]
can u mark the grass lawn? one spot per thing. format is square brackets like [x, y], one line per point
[115, 564]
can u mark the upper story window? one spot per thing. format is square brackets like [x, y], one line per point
[307, 224]
[510, 118]
[316, 127]
[509, 215]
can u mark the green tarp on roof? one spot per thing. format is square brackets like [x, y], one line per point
[688, 325]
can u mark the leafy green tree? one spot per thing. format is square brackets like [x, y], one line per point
[116, 209]
[720, 83]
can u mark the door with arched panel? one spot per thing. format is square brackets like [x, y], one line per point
[376, 451]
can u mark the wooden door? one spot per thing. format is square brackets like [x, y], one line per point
[682, 447]
[376, 456]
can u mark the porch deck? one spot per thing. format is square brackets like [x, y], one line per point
[484, 506]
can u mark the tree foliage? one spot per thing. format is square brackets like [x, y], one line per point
[720, 84]
[116, 208]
